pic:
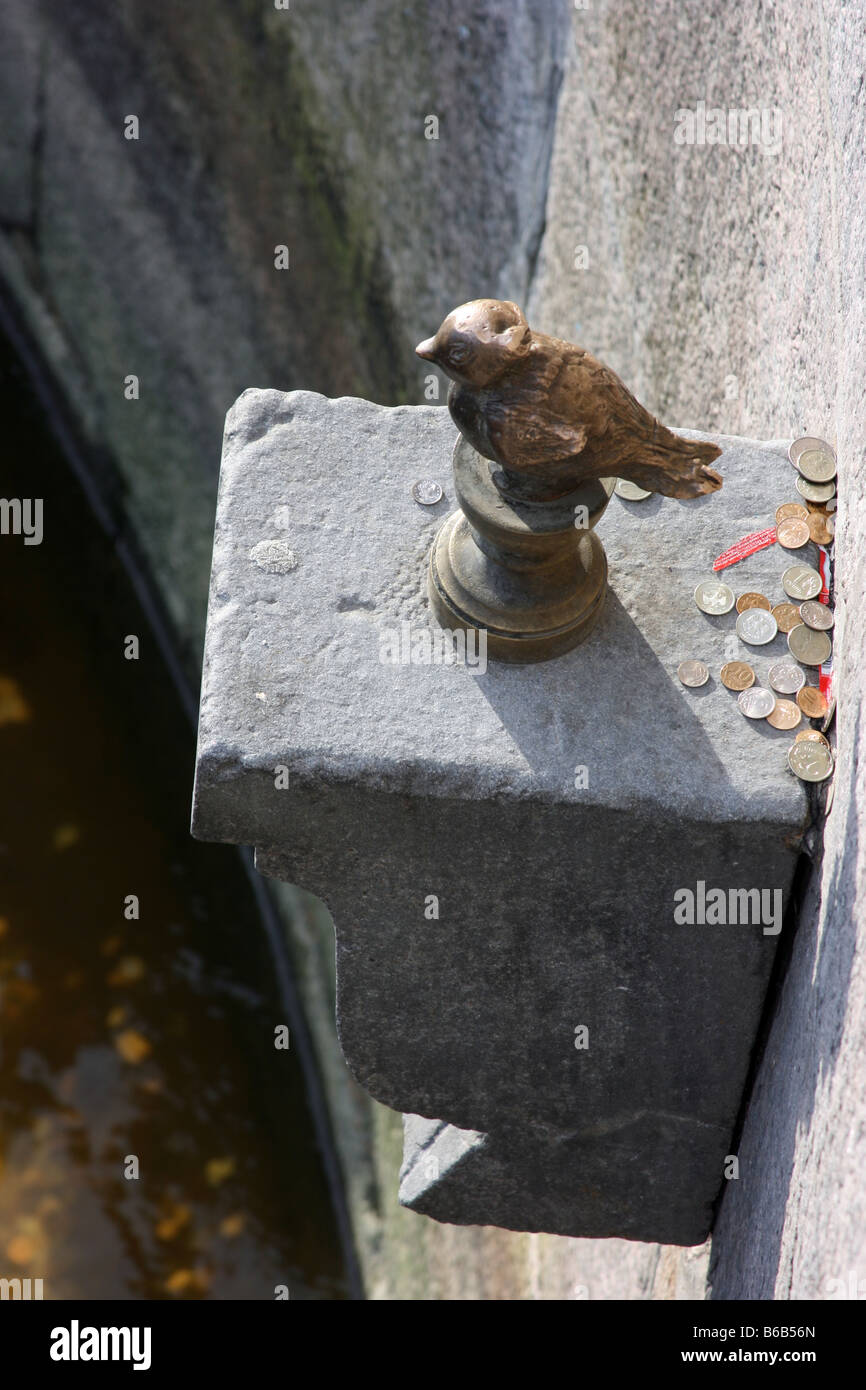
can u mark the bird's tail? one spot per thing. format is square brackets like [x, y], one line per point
[674, 466]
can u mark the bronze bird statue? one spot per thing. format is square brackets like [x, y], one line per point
[550, 414]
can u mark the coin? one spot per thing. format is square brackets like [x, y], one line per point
[785, 715]
[752, 600]
[630, 491]
[711, 596]
[787, 615]
[820, 530]
[693, 673]
[815, 492]
[427, 492]
[812, 736]
[812, 702]
[757, 702]
[785, 677]
[789, 509]
[809, 646]
[828, 717]
[792, 533]
[818, 465]
[757, 627]
[831, 504]
[816, 615]
[811, 762]
[808, 441]
[801, 582]
[737, 675]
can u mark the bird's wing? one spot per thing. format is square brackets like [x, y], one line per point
[536, 424]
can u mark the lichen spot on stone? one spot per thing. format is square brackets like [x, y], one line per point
[274, 556]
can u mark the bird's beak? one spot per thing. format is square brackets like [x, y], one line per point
[427, 349]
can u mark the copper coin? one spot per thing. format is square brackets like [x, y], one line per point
[752, 600]
[693, 673]
[812, 702]
[819, 530]
[816, 615]
[792, 533]
[789, 509]
[787, 615]
[785, 715]
[811, 736]
[737, 675]
[811, 648]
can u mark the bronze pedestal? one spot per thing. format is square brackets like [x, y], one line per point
[530, 572]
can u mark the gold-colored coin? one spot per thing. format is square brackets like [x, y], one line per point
[811, 736]
[809, 647]
[792, 533]
[810, 761]
[737, 675]
[785, 715]
[787, 615]
[812, 702]
[752, 600]
[819, 529]
[789, 509]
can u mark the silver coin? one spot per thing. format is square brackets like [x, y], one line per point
[831, 504]
[756, 703]
[816, 615]
[630, 491]
[427, 492]
[818, 465]
[785, 677]
[756, 626]
[808, 646]
[693, 673]
[809, 441]
[815, 492]
[811, 762]
[712, 596]
[801, 582]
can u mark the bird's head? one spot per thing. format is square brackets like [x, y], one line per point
[478, 341]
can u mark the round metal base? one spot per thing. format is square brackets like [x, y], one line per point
[530, 614]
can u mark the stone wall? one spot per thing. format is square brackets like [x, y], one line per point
[725, 284]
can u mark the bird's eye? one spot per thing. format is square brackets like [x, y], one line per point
[459, 353]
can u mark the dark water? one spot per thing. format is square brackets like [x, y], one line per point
[153, 1037]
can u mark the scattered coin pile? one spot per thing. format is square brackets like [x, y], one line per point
[805, 620]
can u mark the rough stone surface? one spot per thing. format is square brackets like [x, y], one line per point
[556, 901]
[724, 285]
[727, 287]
